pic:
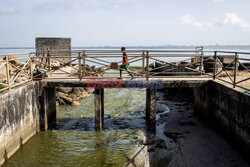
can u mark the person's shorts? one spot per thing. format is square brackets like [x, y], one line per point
[124, 66]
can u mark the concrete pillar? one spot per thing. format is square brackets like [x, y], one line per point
[48, 109]
[99, 109]
[151, 108]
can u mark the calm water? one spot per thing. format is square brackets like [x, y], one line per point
[74, 141]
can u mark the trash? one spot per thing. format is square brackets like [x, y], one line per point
[247, 92]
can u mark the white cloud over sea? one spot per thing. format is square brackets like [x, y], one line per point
[228, 19]
[7, 11]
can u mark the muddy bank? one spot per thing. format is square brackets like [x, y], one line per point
[182, 139]
[197, 145]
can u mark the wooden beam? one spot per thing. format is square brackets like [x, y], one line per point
[151, 108]
[99, 109]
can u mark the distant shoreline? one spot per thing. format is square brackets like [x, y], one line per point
[151, 47]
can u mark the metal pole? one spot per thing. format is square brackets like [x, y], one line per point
[7, 71]
[235, 68]
[215, 59]
[147, 74]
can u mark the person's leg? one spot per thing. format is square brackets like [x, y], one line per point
[127, 69]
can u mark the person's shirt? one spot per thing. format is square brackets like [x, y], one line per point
[125, 58]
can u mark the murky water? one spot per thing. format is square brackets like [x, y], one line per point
[74, 141]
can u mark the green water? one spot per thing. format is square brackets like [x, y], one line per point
[74, 141]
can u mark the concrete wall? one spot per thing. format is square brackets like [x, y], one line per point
[55, 44]
[19, 118]
[228, 111]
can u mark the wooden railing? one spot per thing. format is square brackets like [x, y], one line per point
[81, 64]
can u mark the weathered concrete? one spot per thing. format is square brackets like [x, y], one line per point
[99, 109]
[63, 44]
[19, 118]
[228, 111]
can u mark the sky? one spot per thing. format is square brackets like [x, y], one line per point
[126, 22]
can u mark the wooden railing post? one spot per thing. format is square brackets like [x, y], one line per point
[202, 61]
[235, 68]
[84, 63]
[147, 74]
[49, 61]
[143, 62]
[214, 69]
[7, 71]
[80, 66]
[31, 69]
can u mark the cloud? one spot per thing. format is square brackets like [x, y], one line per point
[7, 11]
[218, 1]
[227, 19]
[188, 19]
[233, 19]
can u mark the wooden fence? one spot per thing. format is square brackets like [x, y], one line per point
[17, 69]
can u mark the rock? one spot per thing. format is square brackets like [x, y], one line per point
[13, 60]
[2, 70]
[65, 98]
[55, 63]
[84, 94]
[20, 79]
[88, 68]
[61, 101]
[72, 96]
[173, 135]
[75, 103]
[64, 89]
[77, 91]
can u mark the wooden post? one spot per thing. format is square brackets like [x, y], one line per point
[7, 71]
[49, 61]
[99, 109]
[147, 74]
[80, 66]
[235, 68]
[48, 110]
[31, 70]
[143, 62]
[151, 107]
[202, 61]
[84, 63]
[215, 59]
